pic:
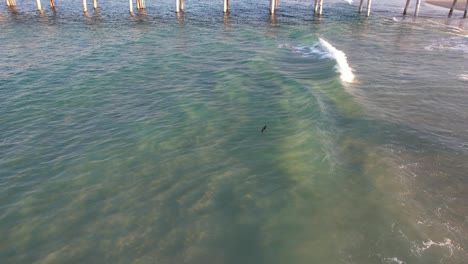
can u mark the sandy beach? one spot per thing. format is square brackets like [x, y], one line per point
[448, 3]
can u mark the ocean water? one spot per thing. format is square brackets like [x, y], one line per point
[137, 139]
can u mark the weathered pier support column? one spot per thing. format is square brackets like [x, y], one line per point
[272, 6]
[225, 6]
[361, 4]
[52, 5]
[182, 6]
[416, 10]
[130, 6]
[466, 9]
[406, 7]
[39, 6]
[10, 3]
[140, 4]
[369, 2]
[177, 6]
[318, 7]
[85, 7]
[276, 4]
[95, 6]
[451, 8]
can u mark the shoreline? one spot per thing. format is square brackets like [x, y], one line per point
[447, 4]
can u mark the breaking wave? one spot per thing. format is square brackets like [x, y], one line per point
[324, 50]
[342, 63]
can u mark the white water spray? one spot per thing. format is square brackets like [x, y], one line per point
[342, 63]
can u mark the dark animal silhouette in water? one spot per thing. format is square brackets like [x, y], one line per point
[263, 129]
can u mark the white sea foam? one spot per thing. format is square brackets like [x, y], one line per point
[342, 63]
[447, 243]
[324, 50]
[349, 1]
[310, 51]
[394, 260]
[463, 77]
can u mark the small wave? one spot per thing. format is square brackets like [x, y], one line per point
[324, 50]
[342, 63]
[349, 1]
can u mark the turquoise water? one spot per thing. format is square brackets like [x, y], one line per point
[138, 139]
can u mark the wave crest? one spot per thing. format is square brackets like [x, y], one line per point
[324, 50]
[342, 65]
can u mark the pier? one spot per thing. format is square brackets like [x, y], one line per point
[273, 6]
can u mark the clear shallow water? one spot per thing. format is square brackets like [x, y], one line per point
[137, 140]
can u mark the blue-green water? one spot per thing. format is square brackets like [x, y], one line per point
[138, 139]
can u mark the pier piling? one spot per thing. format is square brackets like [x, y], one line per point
[466, 9]
[140, 4]
[39, 6]
[274, 4]
[10, 3]
[416, 10]
[451, 8]
[52, 5]
[369, 2]
[361, 4]
[85, 7]
[318, 7]
[406, 7]
[226, 6]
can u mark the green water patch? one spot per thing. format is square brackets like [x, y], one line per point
[161, 159]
